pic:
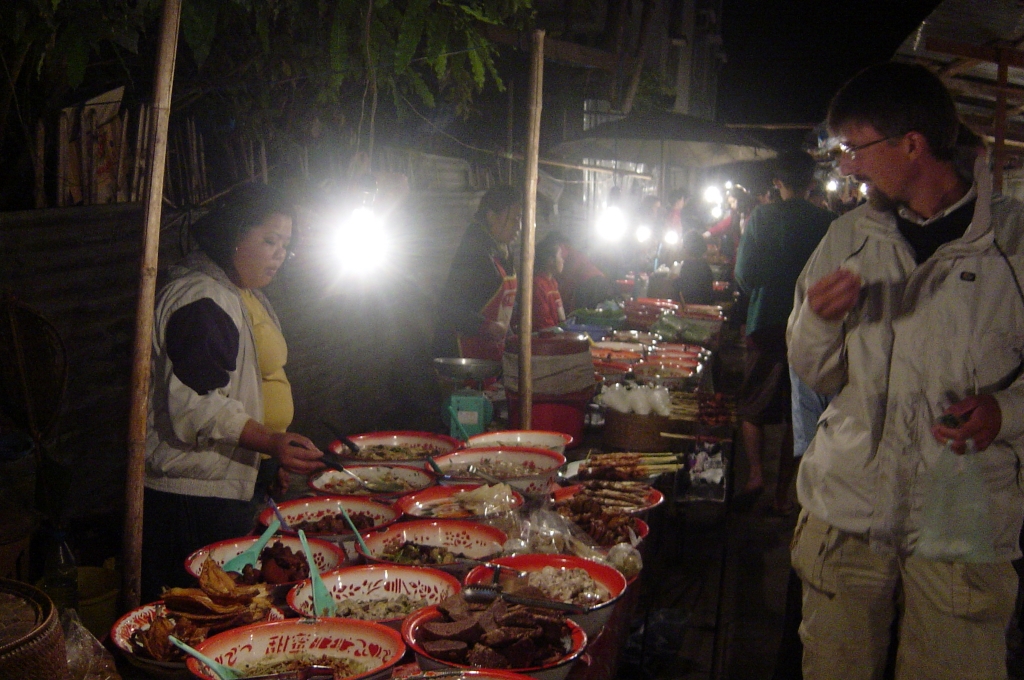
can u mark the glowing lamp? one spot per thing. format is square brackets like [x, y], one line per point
[716, 212]
[713, 194]
[611, 225]
[671, 237]
[832, 185]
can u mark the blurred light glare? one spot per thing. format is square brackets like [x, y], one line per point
[716, 212]
[864, 189]
[832, 185]
[728, 184]
[713, 195]
[643, 233]
[671, 237]
[611, 225]
[361, 243]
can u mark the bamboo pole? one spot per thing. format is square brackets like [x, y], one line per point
[162, 88]
[529, 232]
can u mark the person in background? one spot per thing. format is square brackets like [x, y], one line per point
[478, 298]
[219, 395]
[910, 310]
[774, 249]
[695, 283]
[581, 284]
[726, 232]
[678, 218]
[549, 261]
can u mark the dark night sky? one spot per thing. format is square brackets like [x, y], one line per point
[786, 58]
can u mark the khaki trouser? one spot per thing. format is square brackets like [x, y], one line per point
[953, 616]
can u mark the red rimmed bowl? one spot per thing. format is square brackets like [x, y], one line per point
[652, 499]
[326, 556]
[328, 482]
[435, 445]
[476, 674]
[375, 647]
[433, 503]
[530, 439]
[470, 539]
[371, 582]
[609, 578]
[140, 618]
[319, 507]
[556, 670]
[543, 466]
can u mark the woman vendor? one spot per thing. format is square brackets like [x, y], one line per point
[477, 300]
[219, 395]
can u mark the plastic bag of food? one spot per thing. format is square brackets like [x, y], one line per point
[626, 559]
[87, 658]
[956, 525]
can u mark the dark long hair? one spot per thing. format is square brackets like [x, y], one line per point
[218, 232]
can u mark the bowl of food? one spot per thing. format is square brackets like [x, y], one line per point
[395, 448]
[460, 501]
[281, 563]
[528, 471]
[385, 482]
[444, 544]
[413, 669]
[377, 592]
[142, 636]
[540, 643]
[562, 578]
[321, 516]
[353, 649]
[531, 439]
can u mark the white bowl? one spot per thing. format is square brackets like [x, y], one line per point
[326, 555]
[531, 439]
[378, 647]
[376, 582]
[415, 478]
[474, 541]
[545, 463]
[438, 443]
[318, 507]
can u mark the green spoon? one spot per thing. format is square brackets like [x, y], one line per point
[352, 524]
[248, 557]
[220, 670]
[323, 603]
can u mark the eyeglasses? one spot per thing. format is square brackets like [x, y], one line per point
[844, 149]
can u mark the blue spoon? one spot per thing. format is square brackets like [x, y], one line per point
[247, 558]
[220, 670]
[323, 603]
[277, 513]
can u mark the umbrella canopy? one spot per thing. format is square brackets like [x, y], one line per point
[663, 137]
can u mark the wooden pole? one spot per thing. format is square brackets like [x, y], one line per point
[161, 113]
[999, 152]
[529, 232]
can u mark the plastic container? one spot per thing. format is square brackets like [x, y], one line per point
[60, 573]
[98, 588]
[553, 412]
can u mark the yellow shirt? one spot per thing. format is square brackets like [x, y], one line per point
[272, 355]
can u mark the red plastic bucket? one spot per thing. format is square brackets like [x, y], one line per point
[553, 412]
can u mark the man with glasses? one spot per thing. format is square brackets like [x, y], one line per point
[910, 311]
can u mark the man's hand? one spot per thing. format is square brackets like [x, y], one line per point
[980, 419]
[834, 294]
[295, 453]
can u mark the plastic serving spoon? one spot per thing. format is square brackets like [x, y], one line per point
[323, 603]
[486, 476]
[277, 513]
[220, 670]
[247, 558]
[344, 513]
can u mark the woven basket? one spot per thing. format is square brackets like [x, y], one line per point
[632, 432]
[40, 653]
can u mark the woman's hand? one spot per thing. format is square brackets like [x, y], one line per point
[295, 453]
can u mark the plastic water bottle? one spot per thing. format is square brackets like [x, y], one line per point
[60, 574]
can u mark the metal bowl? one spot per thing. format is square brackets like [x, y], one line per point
[466, 369]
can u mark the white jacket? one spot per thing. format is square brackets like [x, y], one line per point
[192, 443]
[921, 338]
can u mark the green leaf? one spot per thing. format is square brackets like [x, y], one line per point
[477, 63]
[421, 88]
[76, 58]
[410, 33]
[199, 25]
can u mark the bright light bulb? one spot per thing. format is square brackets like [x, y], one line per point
[643, 233]
[611, 225]
[671, 237]
[832, 185]
[864, 189]
[361, 243]
[716, 212]
[728, 184]
[713, 195]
